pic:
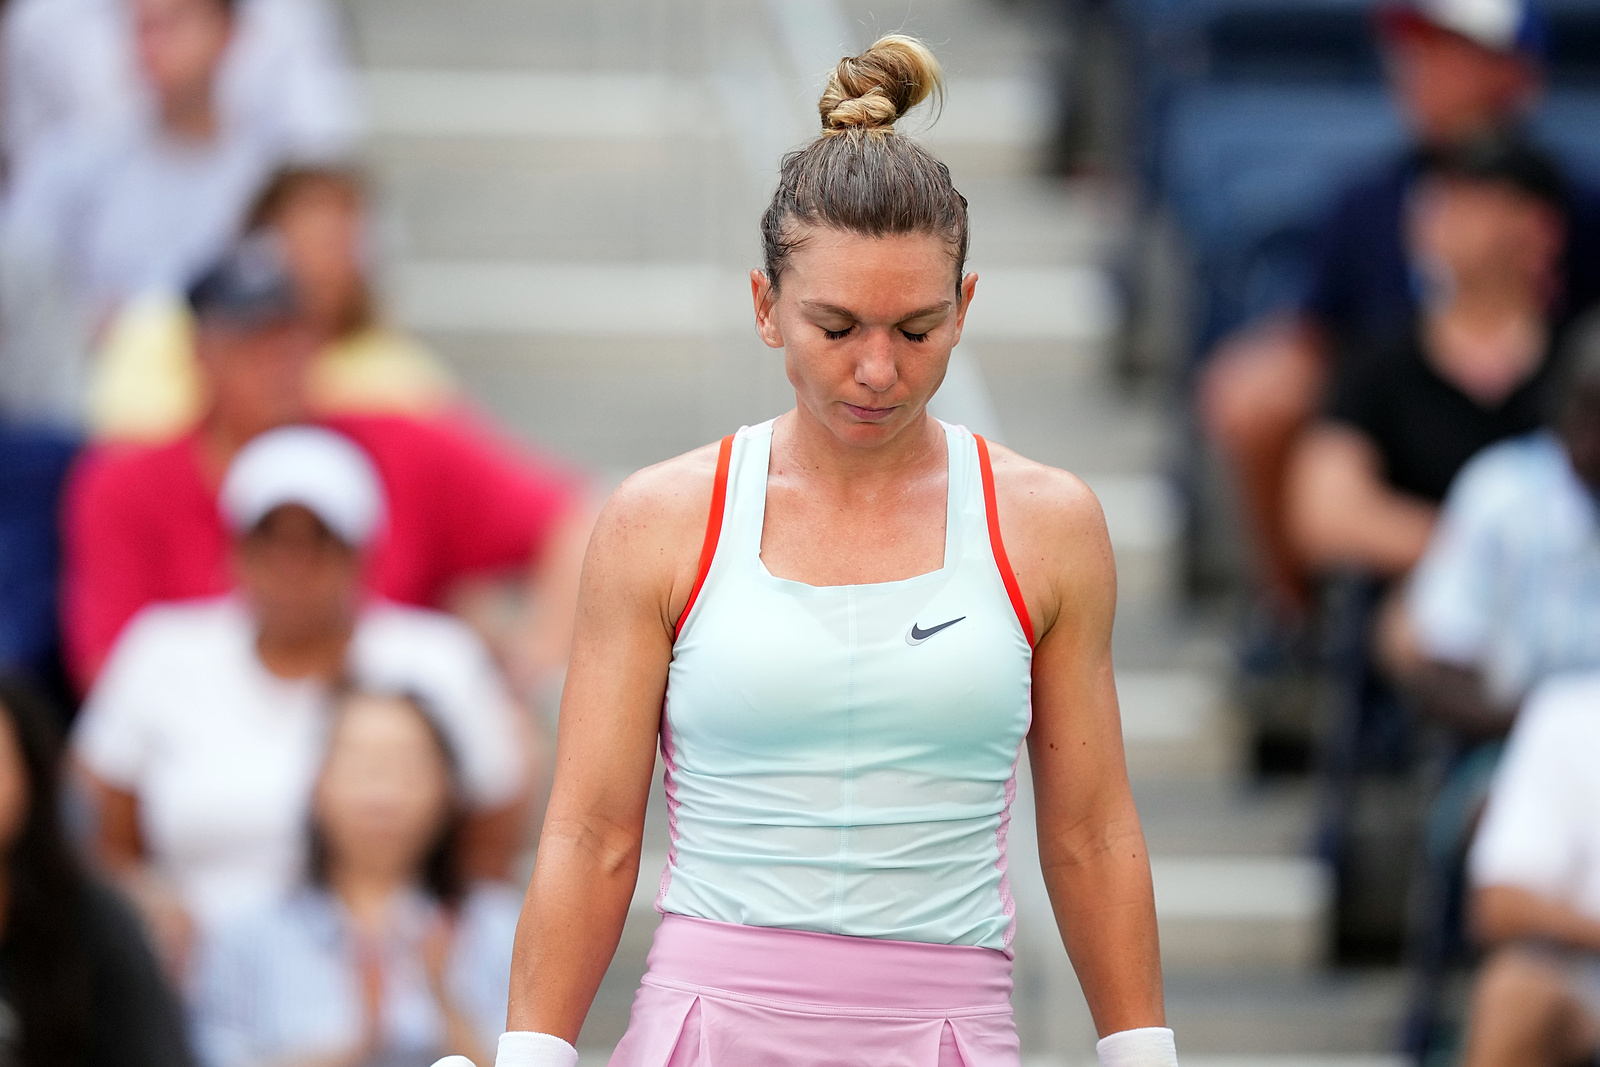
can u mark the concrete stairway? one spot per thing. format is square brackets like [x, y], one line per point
[571, 193]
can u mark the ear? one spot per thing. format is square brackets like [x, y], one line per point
[764, 296]
[968, 287]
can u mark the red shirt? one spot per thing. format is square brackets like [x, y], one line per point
[141, 524]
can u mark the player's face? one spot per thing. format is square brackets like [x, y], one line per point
[867, 325]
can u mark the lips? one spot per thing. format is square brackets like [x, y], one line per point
[869, 414]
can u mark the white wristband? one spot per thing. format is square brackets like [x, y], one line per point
[524, 1048]
[1150, 1046]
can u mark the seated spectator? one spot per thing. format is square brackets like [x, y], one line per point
[320, 216]
[146, 385]
[145, 205]
[1459, 70]
[1508, 593]
[1535, 869]
[70, 64]
[201, 740]
[382, 908]
[141, 523]
[1366, 481]
[79, 986]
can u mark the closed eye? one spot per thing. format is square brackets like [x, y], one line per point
[837, 335]
[916, 337]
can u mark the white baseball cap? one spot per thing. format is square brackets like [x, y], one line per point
[322, 471]
[1499, 25]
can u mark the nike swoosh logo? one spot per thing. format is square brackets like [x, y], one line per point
[919, 635]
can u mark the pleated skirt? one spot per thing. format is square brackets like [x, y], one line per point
[724, 995]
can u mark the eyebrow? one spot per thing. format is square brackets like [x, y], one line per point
[834, 309]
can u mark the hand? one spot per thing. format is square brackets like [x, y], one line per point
[436, 950]
[459, 1030]
[167, 919]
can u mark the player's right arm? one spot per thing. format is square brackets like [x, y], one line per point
[637, 574]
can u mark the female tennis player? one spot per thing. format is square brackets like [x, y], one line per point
[841, 626]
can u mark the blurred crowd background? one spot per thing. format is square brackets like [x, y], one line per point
[325, 325]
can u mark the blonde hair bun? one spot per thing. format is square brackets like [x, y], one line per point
[873, 90]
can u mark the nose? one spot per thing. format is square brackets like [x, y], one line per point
[875, 366]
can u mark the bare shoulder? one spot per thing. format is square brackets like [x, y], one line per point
[1056, 541]
[1033, 496]
[650, 531]
[666, 496]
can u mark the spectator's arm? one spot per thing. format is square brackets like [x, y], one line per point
[119, 851]
[1457, 697]
[1442, 625]
[1341, 512]
[1503, 913]
[1454, 694]
[118, 843]
[553, 593]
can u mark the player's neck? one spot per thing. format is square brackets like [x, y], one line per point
[811, 449]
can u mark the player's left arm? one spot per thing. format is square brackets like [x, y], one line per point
[1091, 846]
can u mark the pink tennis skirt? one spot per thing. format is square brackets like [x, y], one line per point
[723, 995]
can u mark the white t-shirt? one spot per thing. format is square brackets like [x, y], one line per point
[223, 754]
[1541, 831]
[70, 64]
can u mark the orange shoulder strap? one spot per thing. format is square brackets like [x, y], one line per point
[1013, 590]
[708, 550]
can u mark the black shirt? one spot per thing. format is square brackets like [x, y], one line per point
[135, 1019]
[1424, 427]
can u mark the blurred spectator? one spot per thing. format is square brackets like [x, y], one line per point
[1508, 593]
[79, 987]
[146, 385]
[383, 956]
[142, 523]
[1365, 483]
[101, 215]
[202, 738]
[1459, 70]
[320, 216]
[1535, 868]
[69, 64]
[148, 204]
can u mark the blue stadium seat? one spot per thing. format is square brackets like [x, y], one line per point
[1569, 124]
[1249, 170]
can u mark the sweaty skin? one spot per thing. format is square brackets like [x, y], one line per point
[856, 494]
